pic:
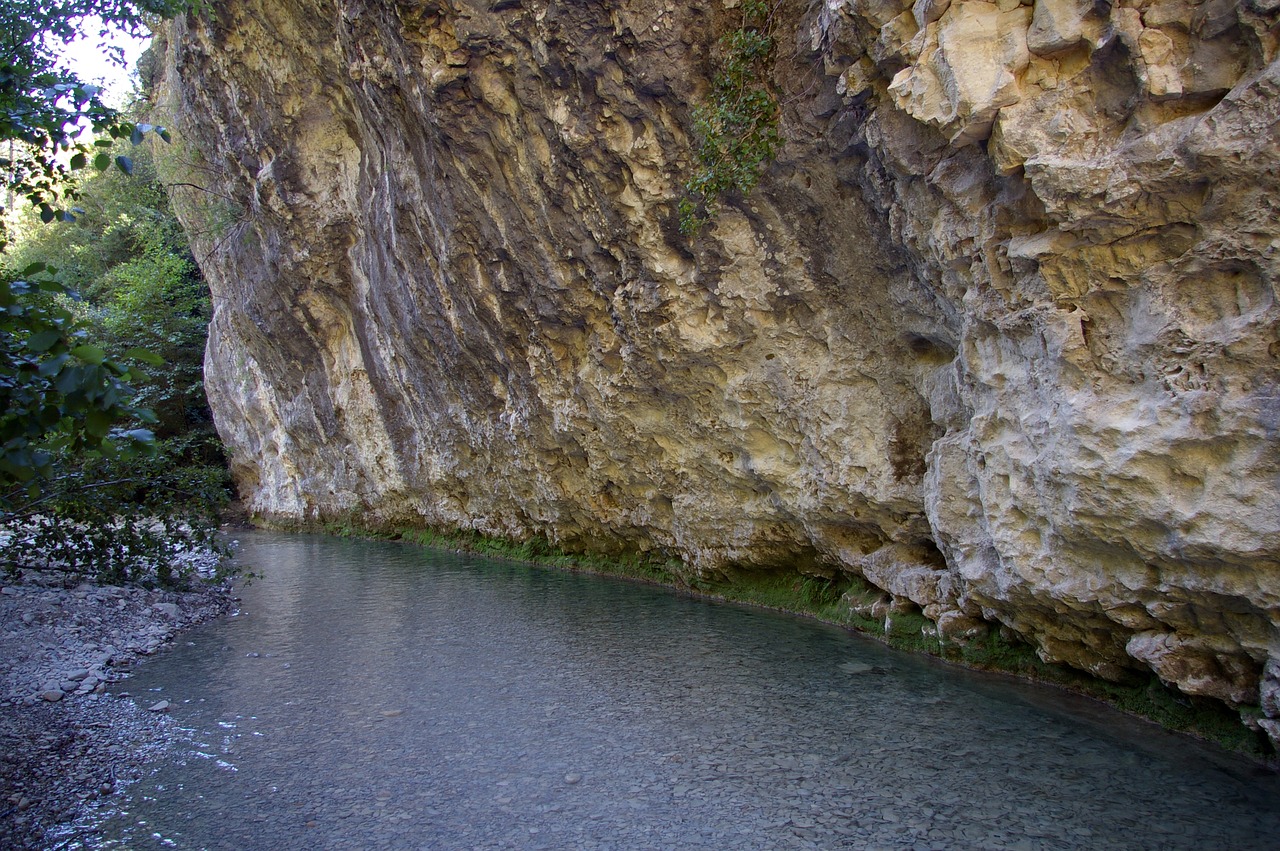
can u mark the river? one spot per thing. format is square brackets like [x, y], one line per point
[379, 695]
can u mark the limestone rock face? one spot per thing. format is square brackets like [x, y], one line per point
[997, 332]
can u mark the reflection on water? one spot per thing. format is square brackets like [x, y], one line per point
[375, 695]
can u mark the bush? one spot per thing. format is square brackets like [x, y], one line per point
[737, 128]
[85, 486]
[147, 520]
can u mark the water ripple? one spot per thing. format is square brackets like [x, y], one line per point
[387, 697]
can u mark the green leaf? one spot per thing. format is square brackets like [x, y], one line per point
[102, 161]
[148, 357]
[47, 213]
[78, 161]
[70, 381]
[20, 467]
[43, 341]
[33, 269]
[89, 354]
[124, 164]
[163, 134]
[54, 365]
[98, 423]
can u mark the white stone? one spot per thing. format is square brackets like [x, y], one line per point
[967, 70]
[1058, 25]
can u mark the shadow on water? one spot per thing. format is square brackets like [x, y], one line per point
[376, 695]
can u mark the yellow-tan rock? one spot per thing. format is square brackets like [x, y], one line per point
[997, 332]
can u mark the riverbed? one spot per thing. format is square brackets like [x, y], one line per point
[380, 695]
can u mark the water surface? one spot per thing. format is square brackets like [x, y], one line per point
[377, 695]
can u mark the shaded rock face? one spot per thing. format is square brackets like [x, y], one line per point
[997, 332]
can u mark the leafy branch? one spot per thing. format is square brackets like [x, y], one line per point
[144, 520]
[45, 109]
[58, 392]
[39, 168]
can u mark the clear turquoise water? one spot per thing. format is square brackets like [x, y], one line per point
[376, 695]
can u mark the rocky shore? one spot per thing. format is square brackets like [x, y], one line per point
[71, 734]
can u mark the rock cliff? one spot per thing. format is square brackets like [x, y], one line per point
[997, 332]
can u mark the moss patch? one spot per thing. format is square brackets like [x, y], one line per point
[637, 566]
[1145, 697]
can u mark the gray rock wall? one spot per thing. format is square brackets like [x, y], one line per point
[997, 332]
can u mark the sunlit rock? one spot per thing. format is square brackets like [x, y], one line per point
[997, 333]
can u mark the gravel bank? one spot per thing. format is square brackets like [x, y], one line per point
[70, 734]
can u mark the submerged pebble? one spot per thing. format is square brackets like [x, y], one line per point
[604, 715]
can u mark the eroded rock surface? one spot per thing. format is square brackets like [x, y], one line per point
[997, 332]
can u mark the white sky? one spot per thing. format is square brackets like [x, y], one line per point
[88, 59]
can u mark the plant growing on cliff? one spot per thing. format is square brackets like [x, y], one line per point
[737, 127]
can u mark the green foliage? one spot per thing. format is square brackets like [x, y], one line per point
[149, 519]
[737, 128]
[83, 487]
[90, 508]
[128, 258]
[58, 393]
[45, 108]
